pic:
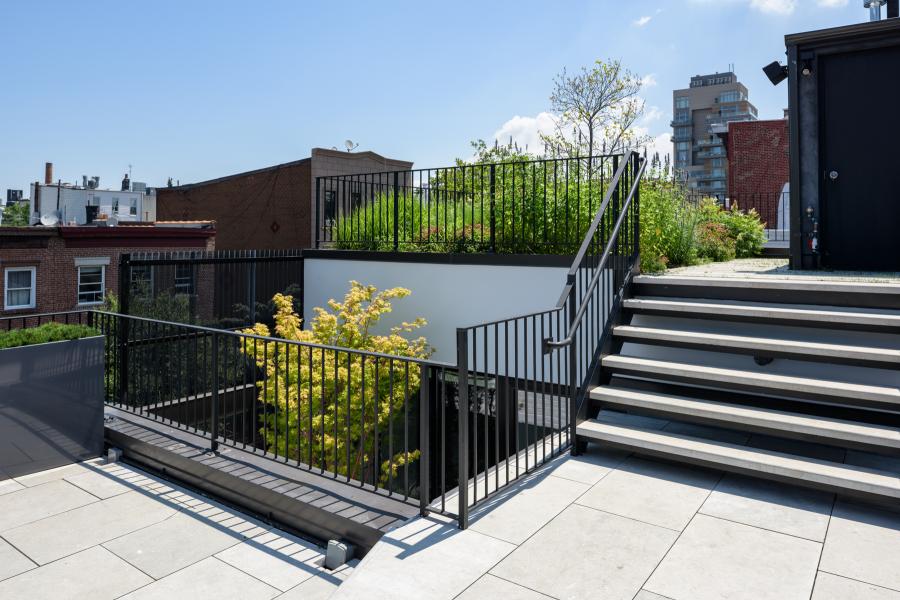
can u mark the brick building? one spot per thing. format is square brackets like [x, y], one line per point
[51, 269]
[759, 168]
[266, 209]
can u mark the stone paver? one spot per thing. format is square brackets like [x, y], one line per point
[490, 586]
[279, 560]
[322, 586]
[94, 573]
[173, 544]
[39, 502]
[863, 543]
[81, 528]
[658, 493]
[209, 578]
[832, 587]
[716, 559]
[425, 558]
[586, 553]
[12, 562]
[538, 499]
[777, 268]
[10, 485]
[589, 468]
[771, 505]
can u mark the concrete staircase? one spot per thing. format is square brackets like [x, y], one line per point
[797, 381]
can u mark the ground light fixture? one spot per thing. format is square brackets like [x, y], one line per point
[776, 72]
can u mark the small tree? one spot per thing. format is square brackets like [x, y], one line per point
[597, 109]
[15, 215]
[331, 403]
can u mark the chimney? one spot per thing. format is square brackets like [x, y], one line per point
[48, 173]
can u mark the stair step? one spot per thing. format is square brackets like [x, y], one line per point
[731, 457]
[799, 349]
[737, 416]
[793, 314]
[884, 397]
[833, 291]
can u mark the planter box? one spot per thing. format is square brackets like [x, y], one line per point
[51, 405]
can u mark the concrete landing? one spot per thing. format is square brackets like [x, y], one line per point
[619, 527]
[777, 268]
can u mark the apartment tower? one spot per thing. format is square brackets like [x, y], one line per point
[701, 112]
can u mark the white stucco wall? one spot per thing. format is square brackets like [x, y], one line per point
[447, 295]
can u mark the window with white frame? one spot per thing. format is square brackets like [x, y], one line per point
[19, 285]
[91, 283]
[184, 279]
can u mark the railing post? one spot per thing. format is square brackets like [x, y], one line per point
[318, 200]
[462, 363]
[573, 378]
[124, 295]
[396, 210]
[424, 439]
[636, 215]
[214, 395]
[493, 214]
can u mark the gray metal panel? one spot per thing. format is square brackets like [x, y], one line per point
[51, 405]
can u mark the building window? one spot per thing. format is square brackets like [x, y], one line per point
[184, 279]
[682, 145]
[718, 162]
[681, 157]
[141, 279]
[682, 102]
[91, 281]
[115, 206]
[682, 116]
[132, 210]
[20, 288]
[730, 96]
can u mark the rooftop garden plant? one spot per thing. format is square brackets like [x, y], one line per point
[332, 403]
[42, 334]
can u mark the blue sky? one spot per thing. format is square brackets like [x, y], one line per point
[196, 90]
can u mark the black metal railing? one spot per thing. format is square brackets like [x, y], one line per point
[72, 317]
[224, 288]
[370, 420]
[521, 396]
[524, 206]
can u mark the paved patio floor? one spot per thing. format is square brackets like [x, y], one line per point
[611, 526]
[777, 268]
[102, 531]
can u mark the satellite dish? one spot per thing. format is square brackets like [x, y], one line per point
[49, 220]
[348, 144]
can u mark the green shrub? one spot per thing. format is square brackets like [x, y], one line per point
[713, 242]
[747, 231]
[668, 227]
[48, 332]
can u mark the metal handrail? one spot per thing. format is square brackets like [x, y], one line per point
[576, 322]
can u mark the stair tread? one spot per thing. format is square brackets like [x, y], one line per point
[750, 459]
[766, 310]
[843, 351]
[773, 283]
[727, 414]
[761, 380]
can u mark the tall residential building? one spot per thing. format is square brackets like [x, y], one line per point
[701, 112]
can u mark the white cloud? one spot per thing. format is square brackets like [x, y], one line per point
[775, 7]
[526, 131]
[648, 80]
[833, 3]
[652, 113]
[642, 21]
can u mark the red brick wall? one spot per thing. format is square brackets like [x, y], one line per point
[758, 165]
[57, 274]
[266, 209]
